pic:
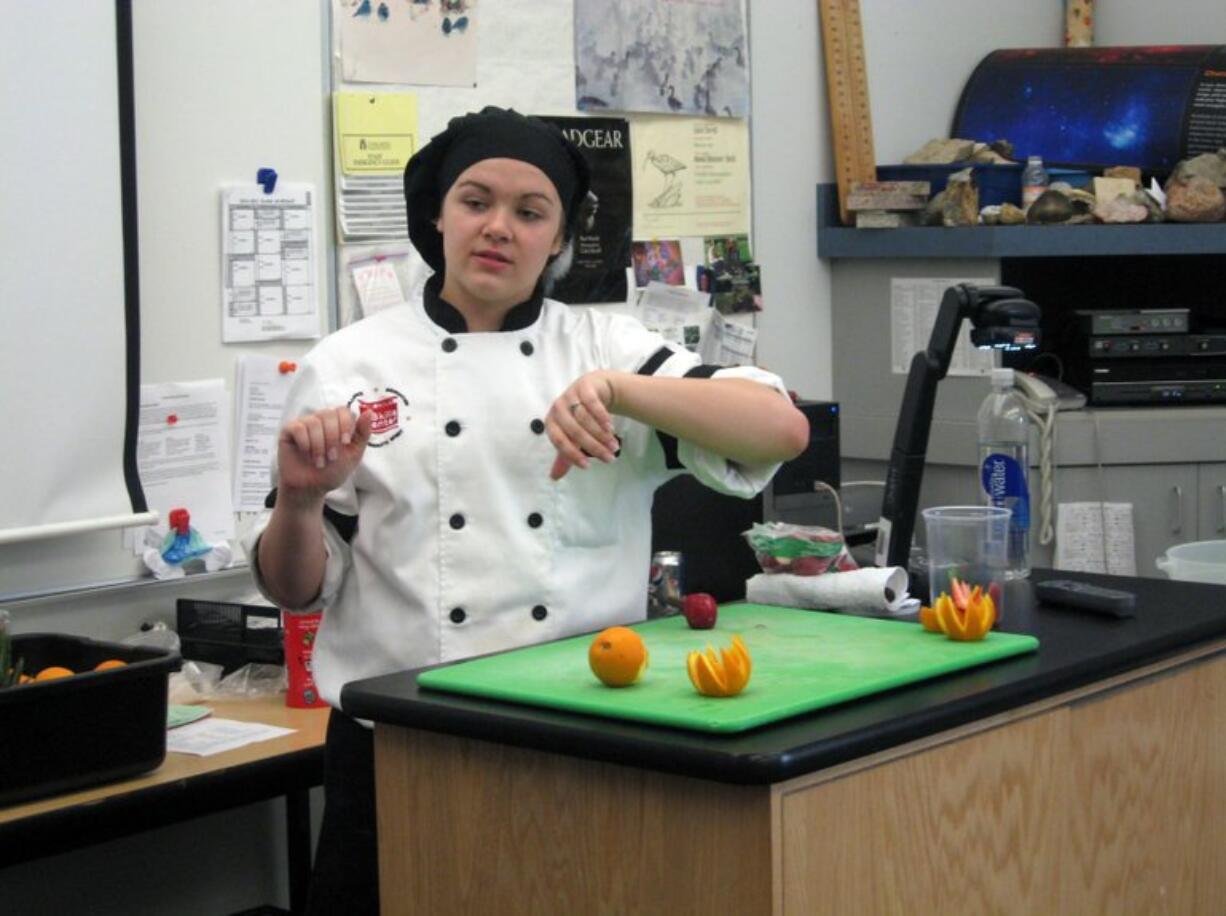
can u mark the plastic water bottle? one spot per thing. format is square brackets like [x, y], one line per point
[1004, 434]
[1034, 180]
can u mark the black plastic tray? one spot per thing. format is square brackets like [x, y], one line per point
[229, 634]
[93, 727]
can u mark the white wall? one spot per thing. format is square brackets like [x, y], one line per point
[790, 157]
[919, 56]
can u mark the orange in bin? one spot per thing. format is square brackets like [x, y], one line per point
[51, 672]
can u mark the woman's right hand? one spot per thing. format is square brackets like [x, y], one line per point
[317, 453]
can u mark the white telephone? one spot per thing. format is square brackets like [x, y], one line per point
[1042, 390]
[1043, 397]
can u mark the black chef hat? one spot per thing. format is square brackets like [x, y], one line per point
[493, 133]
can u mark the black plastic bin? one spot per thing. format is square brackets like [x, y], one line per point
[93, 727]
[229, 634]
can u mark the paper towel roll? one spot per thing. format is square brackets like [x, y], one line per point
[880, 591]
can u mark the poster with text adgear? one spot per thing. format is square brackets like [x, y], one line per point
[602, 242]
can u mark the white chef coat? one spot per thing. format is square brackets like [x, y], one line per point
[463, 543]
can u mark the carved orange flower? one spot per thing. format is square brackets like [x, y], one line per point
[968, 615]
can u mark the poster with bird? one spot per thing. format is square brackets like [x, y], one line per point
[691, 176]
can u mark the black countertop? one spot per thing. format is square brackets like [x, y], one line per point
[1077, 648]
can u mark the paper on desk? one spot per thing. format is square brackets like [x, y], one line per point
[214, 736]
[1096, 537]
[180, 714]
[183, 457]
[914, 303]
[262, 388]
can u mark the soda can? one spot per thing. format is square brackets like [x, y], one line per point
[666, 583]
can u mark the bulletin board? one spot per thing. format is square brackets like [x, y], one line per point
[221, 90]
[531, 66]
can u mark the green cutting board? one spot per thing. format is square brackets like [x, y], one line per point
[802, 660]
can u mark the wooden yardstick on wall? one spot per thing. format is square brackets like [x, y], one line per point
[851, 119]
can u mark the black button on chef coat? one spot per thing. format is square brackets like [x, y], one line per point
[449, 344]
[457, 521]
[540, 612]
[535, 520]
[525, 347]
[452, 428]
[538, 426]
[458, 615]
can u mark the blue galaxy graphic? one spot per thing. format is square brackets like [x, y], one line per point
[1081, 116]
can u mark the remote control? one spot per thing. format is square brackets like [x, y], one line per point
[1093, 598]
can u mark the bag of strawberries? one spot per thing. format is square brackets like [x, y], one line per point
[801, 550]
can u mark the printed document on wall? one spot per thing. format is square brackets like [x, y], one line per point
[678, 314]
[268, 263]
[183, 455]
[914, 303]
[691, 176]
[376, 135]
[263, 383]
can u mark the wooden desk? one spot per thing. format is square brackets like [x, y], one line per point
[1087, 778]
[186, 786]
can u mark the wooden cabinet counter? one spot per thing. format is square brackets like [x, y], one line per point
[1088, 777]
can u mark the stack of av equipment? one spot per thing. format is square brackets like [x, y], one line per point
[1145, 357]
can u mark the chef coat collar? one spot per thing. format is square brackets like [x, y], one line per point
[448, 317]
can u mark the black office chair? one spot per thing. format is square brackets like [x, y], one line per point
[707, 528]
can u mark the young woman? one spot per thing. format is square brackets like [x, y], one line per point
[474, 471]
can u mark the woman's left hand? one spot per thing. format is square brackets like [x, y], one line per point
[580, 424]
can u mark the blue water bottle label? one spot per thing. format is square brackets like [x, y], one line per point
[1004, 481]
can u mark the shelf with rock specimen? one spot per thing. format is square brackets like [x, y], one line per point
[1027, 241]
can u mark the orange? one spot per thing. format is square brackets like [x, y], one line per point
[723, 675]
[54, 671]
[928, 619]
[617, 656]
[109, 664]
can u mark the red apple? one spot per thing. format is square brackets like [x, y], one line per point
[809, 566]
[700, 610]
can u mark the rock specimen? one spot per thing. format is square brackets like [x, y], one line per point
[1211, 166]
[1194, 199]
[1124, 171]
[1121, 210]
[1050, 207]
[961, 204]
[942, 152]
